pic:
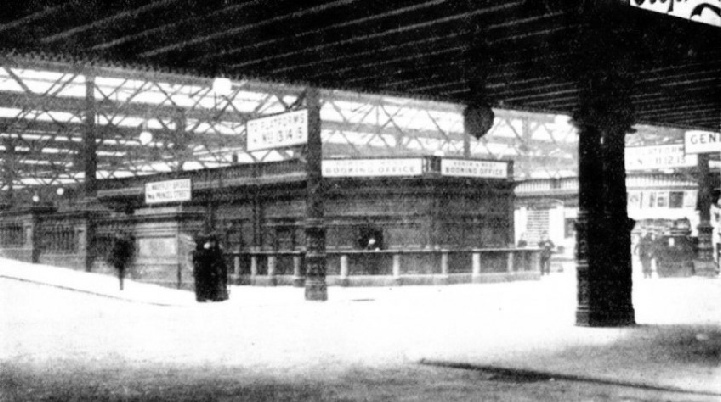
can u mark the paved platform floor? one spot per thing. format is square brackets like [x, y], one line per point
[417, 340]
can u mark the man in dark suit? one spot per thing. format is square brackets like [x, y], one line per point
[546, 246]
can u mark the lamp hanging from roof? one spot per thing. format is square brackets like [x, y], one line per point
[222, 86]
[145, 135]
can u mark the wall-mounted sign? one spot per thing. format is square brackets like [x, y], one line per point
[168, 191]
[471, 168]
[658, 157]
[373, 167]
[703, 11]
[699, 142]
[278, 131]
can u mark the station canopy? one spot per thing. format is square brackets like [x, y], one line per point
[521, 53]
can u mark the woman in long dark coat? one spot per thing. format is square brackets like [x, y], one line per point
[120, 255]
[210, 271]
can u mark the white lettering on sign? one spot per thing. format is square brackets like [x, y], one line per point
[703, 11]
[470, 168]
[278, 131]
[658, 157]
[372, 167]
[699, 142]
[168, 191]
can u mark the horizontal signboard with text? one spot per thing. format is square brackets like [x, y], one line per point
[168, 191]
[658, 157]
[471, 168]
[278, 131]
[373, 167]
[700, 142]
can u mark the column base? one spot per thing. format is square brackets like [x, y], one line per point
[316, 290]
[601, 318]
[707, 269]
[298, 282]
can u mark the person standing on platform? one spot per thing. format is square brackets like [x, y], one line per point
[219, 271]
[546, 246]
[209, 270]
[120, 255]
[644, 250]
[715, 218]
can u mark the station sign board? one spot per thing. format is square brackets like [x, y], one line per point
[658, 157]
[702, 11]
[373, 167]
[701, 142]
[471, 168]
[282, 130]
[168, 191]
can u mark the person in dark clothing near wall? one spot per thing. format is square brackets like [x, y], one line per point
[546, 246]
[120, 255]
[644, 249]
[210, 271]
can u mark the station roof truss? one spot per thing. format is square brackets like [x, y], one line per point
[431, 49]
[44, 108]
[153, 62]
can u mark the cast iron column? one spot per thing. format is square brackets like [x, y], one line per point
[604, 116]
[9, 170]
[704, 264]
[89, 149]
[315, 286]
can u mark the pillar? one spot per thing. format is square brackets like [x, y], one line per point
[90, 164]
[604, 116]
[343, 280]
[253, 269]
[9, 170]
[258, 212]
[476, 265]
[397, 269]
[272, 279]
[90, 156]
[181, 140]
[704, 263]
[315, 286]
[298, 280]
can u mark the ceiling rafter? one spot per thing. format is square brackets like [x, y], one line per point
[113, 19]
[410, 27]
[357, 21]
[238, 30]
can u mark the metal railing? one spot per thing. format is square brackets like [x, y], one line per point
[346, 266]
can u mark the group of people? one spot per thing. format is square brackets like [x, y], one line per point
[546, 246]
[210, 271]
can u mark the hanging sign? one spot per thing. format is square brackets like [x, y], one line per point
[278, 131]
[703, 11]
[168, 191]
[372, 167]
[658, 157]
[471, 168]
[700, 142]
